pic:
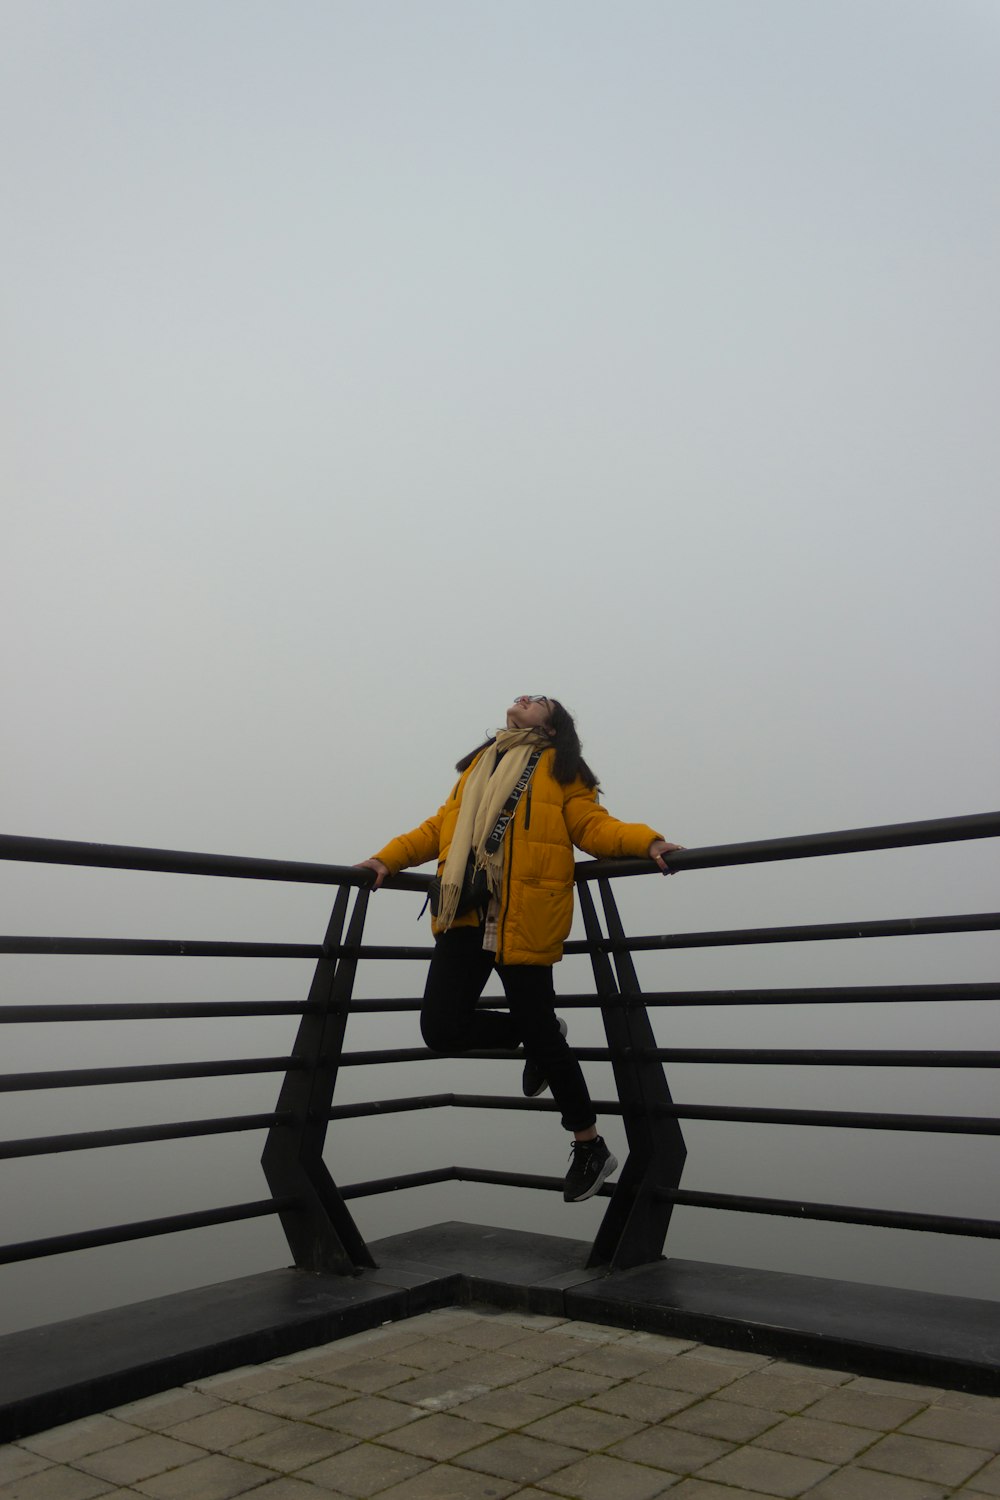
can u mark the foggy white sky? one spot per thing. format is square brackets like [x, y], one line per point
[369, 363]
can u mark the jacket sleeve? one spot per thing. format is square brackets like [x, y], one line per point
[596, 832]
[420, 844]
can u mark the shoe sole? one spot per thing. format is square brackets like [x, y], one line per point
[611, 1165]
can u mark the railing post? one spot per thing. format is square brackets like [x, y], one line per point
[635, 1224]
[320, 1231]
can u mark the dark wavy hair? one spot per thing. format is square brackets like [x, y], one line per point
[569, 762]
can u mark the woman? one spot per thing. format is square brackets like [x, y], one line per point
[532, 775]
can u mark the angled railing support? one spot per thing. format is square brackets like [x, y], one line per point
[320, 1231]
[635, 1223]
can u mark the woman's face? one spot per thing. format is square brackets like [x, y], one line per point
[529, 711]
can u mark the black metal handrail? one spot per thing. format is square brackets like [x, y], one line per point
[313, 1208]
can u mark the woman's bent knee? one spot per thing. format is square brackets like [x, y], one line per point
[440, 1033]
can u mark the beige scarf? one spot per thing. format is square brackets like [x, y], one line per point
[483, 798]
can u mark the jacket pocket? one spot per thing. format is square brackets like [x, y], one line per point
[542, 918]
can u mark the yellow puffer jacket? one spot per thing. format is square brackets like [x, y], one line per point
[536, 909]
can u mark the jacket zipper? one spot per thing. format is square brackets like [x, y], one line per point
[527, 809]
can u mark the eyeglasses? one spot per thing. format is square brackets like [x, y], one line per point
[532, 698]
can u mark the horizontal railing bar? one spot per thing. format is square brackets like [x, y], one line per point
[807, 846]
[156, 948]
[376, 1057]
[186, 862]
[722, 1056]
[744, 1114]
[118, 1234]
[394, 1184]
[816, 1057]
[832, 1213]
[726, 938]
[72, 1078]
[837, 1119]
[154, 1010]
[456, 1174]
[90, 1140]
[813, 932]
[369, 1107]
[850, 994]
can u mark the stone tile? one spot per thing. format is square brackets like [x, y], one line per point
[721, 1419]
[363, 1470]
[440, 1318]
[754, 1468]
[291, 1447]
[436, 1392]
[775, 1393]
[663, 1346]
[300, 1399]
[924, 1395]
[668, 1448]
[923, 1458]
[369, 1416]
[584, 1427]
[491, 1370]
[290, 1489]
[614, 1361]
[429, 1354]
[509, 1407]
[831, 1442]
[967, 1401]
[647, 1403]
[444, 1482]
[988, 1479]
[75, 1439]
[519, 1457]
[249, 1380]
[56, 1483]
[18, 1463]
[859, 1408]
[489, 1333]
[370, 1375]
[439, 1437]
[140, 1459]
[157, 1413]
[598, 1477]
[975, 1429]
[546, 1348]
[216, 1477]
[688, 1372]
[852, 1483]
[594, 1333]
[567, 1385]
[365, 1344]
[223, 1429]
[698, 1489]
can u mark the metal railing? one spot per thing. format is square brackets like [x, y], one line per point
[313, 1208]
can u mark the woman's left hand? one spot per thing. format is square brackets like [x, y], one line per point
[658, 848]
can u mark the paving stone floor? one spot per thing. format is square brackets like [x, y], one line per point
[472, 1404]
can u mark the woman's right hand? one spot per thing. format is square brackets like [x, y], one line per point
[381, 870]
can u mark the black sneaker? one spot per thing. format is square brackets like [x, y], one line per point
[591, 1163]
[533, 1080]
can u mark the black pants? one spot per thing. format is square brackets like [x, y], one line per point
[450, 1021]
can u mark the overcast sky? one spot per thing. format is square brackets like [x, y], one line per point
[367, 364]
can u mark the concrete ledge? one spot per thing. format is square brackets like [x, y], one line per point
[62, 1371]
